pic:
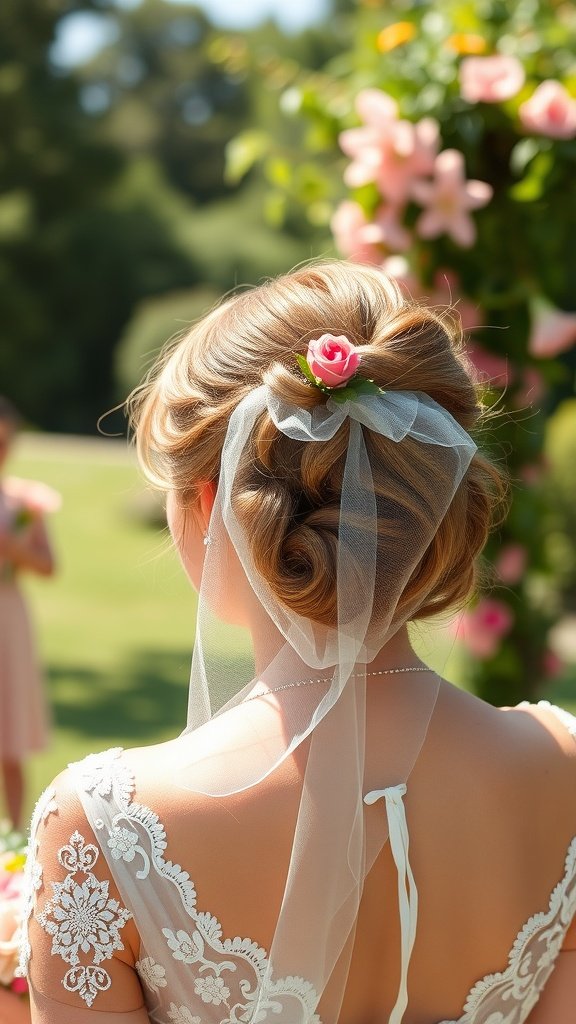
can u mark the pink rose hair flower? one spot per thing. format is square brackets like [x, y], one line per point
[333, 359]
[448, 198]
[490, 79]
[550, 111]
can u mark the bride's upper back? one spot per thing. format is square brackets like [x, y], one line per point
[491, 812]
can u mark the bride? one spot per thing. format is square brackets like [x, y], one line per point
[339, 835]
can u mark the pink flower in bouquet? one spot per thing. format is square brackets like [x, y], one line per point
[386, 150]
[550, 111]
[553, 332]
[350, 228]
[482, 628]
[490, 368]
[448, 198]
[511, 563]
[334, 360]
[490, 79]
[33, 495]
[11, 896]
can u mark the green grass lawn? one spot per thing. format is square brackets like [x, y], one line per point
[116, 624]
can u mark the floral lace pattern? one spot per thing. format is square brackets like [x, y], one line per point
[33, 881]
[220, 979]
[537, 945]
[233, 974]
[531, 960]
[81, 918]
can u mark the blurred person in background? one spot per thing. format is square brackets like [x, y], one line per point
[24, 547]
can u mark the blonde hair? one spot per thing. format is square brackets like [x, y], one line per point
[288, 492]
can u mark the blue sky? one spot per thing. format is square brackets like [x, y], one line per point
[82, 35]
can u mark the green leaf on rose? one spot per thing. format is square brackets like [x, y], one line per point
[304, 366]
[355, 387]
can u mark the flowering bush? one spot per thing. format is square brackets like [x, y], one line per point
[443, 145]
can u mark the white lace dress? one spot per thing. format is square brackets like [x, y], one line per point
[190, 972]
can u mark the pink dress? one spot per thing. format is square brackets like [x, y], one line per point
[23, 711]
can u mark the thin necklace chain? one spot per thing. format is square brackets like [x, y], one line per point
[326, 679]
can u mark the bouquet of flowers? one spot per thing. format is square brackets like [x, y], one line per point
[12, 861]
[14, 1004]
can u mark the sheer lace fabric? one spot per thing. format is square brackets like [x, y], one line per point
[192, 973]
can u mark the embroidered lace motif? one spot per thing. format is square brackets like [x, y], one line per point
[234, 974]
[81, 918]
[508, 996]
[45, 805]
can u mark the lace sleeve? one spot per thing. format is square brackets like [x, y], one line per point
[76, 947]
[563, 716]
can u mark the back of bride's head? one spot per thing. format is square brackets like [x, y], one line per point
[287, 491]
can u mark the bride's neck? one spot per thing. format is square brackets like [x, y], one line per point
[268, 642]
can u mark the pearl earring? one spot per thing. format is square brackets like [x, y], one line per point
[207, 539]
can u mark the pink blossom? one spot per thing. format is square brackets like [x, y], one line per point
[386, 150]
[550, 111]
[349, 227]
[482, 628]
[511, 563]
[448, 198]
[553, 332]
[490, 368]
[333, 359]
[387, 229]
[490, 79]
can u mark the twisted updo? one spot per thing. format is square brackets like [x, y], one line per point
[287, 493]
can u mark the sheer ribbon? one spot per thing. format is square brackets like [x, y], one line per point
[246, 715]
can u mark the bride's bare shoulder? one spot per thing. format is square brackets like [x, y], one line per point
[530, 748]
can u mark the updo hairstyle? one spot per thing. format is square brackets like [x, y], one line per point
[287, 493]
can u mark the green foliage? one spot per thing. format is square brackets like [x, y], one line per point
[113, 192]
[153, 322]
[561, 455]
